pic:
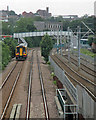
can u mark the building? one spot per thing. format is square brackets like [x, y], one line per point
[4, 15]
[51, 26]
[67, 17]
[25, 14]
[44, 13]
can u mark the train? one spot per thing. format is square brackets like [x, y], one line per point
[21, 52]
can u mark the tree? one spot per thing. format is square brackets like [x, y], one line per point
[6, 28]
[11, 12]
[90, 40]
[25, 25]
[38, 18]
[46, 46]
[11, 44]
[6, 57]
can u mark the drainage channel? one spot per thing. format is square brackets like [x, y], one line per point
[43, 90]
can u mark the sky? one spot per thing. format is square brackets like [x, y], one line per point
[56, 7]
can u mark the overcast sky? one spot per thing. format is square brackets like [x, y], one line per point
[56, 7]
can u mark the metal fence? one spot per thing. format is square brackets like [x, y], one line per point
[62, 95]
[89, 58]
[64, 80]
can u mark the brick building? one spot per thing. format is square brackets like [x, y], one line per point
[44, 13]
[25, 14]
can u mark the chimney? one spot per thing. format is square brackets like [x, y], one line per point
[47, 9]
[7, 8]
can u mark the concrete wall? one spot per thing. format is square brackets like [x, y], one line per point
[86, 104]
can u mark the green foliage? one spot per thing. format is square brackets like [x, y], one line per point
[78, 22]
[6, 28]
[55, 82]
[12, 45]
[38, 18]
[94, 40]
[25, 25]
[52, 74]
[6, 55]
[90, 40]
[46, 46]
[8, 50]
[11, 12]
[87, 52]
[33, 41]
[48, 63]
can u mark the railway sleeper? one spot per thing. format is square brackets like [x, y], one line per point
[15, 113]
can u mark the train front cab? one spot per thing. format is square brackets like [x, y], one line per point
[21, 53]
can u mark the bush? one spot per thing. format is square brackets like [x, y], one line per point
[6, 55]
[52, 74]
[55, 82]
[8, 51]
[48, 63]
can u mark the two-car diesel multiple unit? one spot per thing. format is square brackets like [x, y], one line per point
[21, 52]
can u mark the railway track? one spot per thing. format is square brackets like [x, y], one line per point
[10, 72]
[83, 66]
[11, 82]
[43, 91]
[75, 77]
[30, 89]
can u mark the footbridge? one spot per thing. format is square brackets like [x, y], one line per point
[50, 33]
[59, 35]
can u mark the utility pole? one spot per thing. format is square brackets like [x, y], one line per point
[79, 37]
[57, 41]
[61, 41]
[68, 45]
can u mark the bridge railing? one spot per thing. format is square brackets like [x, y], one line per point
[50, 33]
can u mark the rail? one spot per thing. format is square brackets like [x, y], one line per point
[5, 80]
[11, 93]
[85, 87]
[43, 91]
[60, 73]
[29, 89]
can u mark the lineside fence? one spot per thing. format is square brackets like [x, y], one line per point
[86, 57]
[85, 105]
[69, 87]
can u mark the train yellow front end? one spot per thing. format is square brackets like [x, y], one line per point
[21, 52]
